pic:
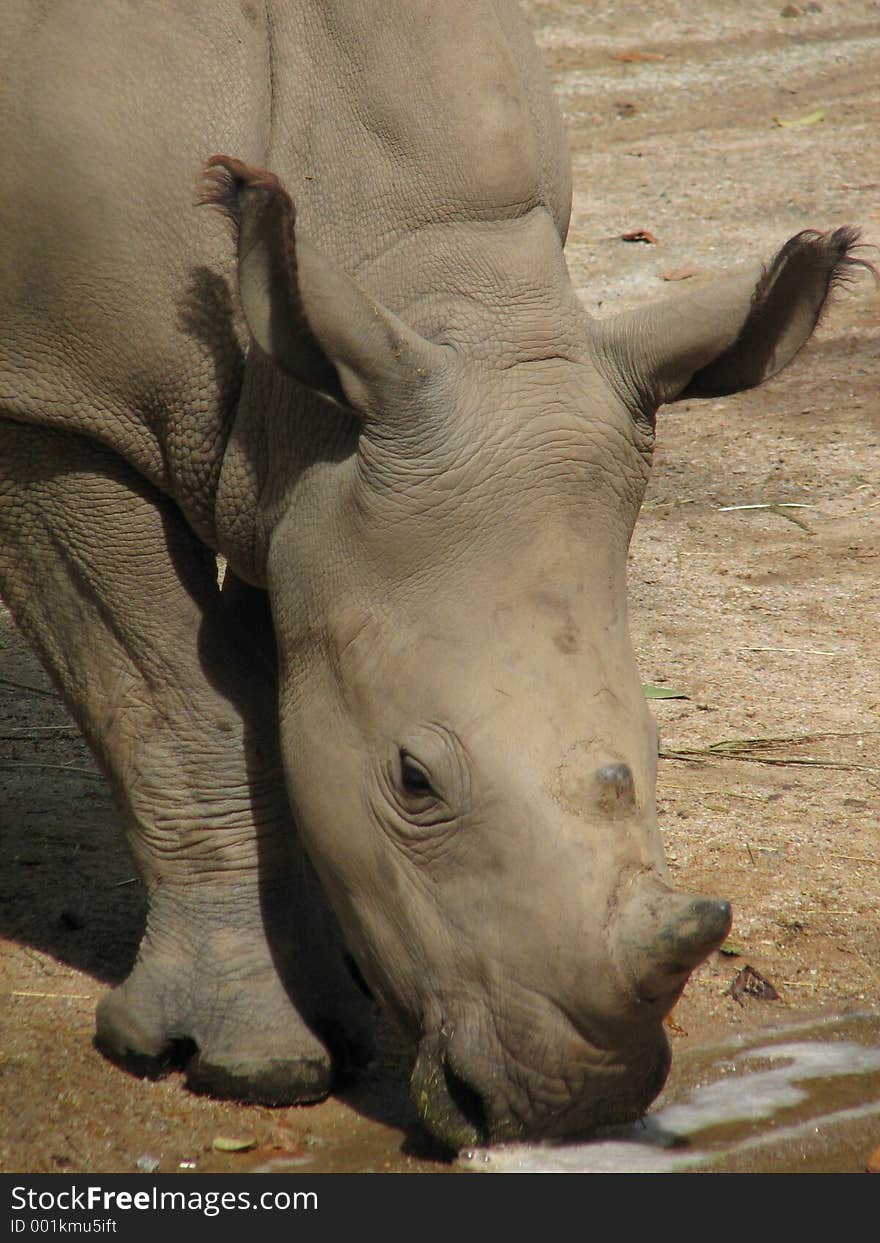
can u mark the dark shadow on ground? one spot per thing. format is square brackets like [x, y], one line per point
[67, 884]
[68, 887]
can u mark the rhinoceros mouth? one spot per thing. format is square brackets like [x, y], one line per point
[467, 1099]
[520, 1066]
[448, 1106]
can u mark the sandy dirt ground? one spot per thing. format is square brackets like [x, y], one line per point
[765, 618]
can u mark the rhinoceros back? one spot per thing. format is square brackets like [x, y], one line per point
[420, 114]
[389, 123]
[109, 272]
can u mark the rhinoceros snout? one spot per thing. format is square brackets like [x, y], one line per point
[548, 1082]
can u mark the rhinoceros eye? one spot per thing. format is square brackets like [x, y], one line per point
[414, 778]
[426, 778]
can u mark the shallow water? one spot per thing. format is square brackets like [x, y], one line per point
[802, 1098]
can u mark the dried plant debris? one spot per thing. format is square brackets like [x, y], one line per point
[755, 751]
[749, 982]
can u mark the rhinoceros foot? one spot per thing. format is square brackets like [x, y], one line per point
[244, 1043]
[233, 1020]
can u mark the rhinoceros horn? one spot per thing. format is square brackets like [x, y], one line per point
[664, 934]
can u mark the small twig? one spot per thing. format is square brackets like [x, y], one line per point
[38, 959]
[748, 743]
[132, 880]
[729, 509]
[782, 511]
[782, 761]
[22, 686]
[791, 651]
[852, 858]
[57, 768]
[780, 508]
[66, 996]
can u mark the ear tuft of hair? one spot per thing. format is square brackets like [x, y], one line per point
[831, 254]
[223, 179]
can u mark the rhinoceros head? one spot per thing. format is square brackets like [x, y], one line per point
[469, 754]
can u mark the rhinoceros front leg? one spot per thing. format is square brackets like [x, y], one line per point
[173, 684]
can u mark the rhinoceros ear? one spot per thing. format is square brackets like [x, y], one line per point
[735, 332]
[315, 322]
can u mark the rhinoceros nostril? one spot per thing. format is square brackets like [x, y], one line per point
[617, 788]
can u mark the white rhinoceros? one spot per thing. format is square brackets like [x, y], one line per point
[407, 740]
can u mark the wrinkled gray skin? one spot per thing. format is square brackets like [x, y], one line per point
[423, 463]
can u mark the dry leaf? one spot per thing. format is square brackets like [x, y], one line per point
[639, 235]
[751, 982]
[662, 692]
[811, 118]
[227, 1143]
